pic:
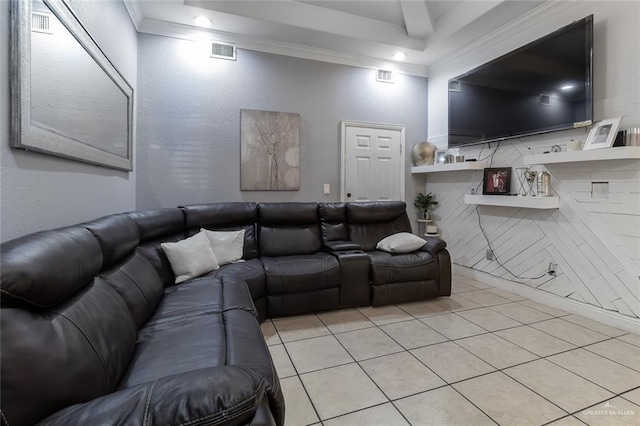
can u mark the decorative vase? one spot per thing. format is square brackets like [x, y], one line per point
[424, 154]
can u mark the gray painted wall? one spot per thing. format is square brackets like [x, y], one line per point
[189, 119]
[40, 191]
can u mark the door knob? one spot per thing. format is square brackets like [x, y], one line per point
[348, 194]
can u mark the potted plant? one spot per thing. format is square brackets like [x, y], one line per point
[425, 203]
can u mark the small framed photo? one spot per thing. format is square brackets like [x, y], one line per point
[603, 134]
[440, 157]
[497, 181]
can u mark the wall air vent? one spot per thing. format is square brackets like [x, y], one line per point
[223, 51]
[545, 99]
[386, 76]
[41, 22]
[454, 86]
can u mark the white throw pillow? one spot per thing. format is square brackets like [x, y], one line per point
[191, 257]
[227, 246]
[402, 242]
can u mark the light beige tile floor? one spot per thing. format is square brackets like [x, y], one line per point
[520, 312]
[482, 356]
[453, 326]
[569, 331]
[368, 343]
[317, 353]
[535, 341]
[488, 319]
[414, 334]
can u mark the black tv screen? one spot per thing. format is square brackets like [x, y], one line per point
[542, 87]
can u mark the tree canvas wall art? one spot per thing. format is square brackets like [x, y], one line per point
[269, 151]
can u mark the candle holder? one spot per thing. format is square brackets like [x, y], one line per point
[522, 180]
[530, 177]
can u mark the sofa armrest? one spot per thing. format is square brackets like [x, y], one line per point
[433, 245]
[336, 246]
[216, 395]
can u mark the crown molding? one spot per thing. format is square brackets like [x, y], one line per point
[135, 12]
[185, 32]
[522, 23]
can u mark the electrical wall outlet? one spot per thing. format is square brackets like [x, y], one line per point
[490, 255]
[552, 268]
[326, 189]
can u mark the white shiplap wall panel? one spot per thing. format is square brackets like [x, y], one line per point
[560, 286]
[576, 296]
[623, 308]
[597, 245]
[514, 251]
[610, 243]
[619, 224]
[564, 215]
[591, 269]
[537, 255]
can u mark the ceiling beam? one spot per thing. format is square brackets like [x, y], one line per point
[310, 17]
[416, 18]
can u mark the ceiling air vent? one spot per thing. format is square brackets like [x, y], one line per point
[386, 76]
[454, 86]
[41, 22]
[223, 51]
[545, 99]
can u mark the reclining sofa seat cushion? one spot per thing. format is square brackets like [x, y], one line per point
[395, 278]
[200, 325]
[67, 337]
[195, 331]
[234, 217]
[300, 276]
[123, 268]
[355, 289]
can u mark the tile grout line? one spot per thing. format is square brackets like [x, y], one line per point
[446, 384]
[297, 376]
[366, 374]
[586, 348]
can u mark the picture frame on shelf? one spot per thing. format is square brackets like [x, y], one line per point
[603, 134]
[497, 181]
[440, 157]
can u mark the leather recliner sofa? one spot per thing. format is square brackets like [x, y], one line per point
[94, 330]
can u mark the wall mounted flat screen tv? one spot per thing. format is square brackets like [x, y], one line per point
[542, 87]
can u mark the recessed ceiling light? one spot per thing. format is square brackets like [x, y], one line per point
[567, 87]
[202, 21]
[400, 56]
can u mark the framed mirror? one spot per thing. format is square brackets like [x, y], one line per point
[67, 98]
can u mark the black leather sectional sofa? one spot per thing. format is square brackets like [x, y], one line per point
[94, 330]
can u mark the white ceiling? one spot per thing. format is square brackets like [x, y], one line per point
[366, 32]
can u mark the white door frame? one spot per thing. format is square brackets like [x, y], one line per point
[343, 149]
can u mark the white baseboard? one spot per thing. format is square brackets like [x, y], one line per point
[614, 319]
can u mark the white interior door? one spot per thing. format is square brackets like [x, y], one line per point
[373, 162]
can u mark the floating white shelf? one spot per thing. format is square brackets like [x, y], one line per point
[451, 167]
[617, 153]
[514, 201]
